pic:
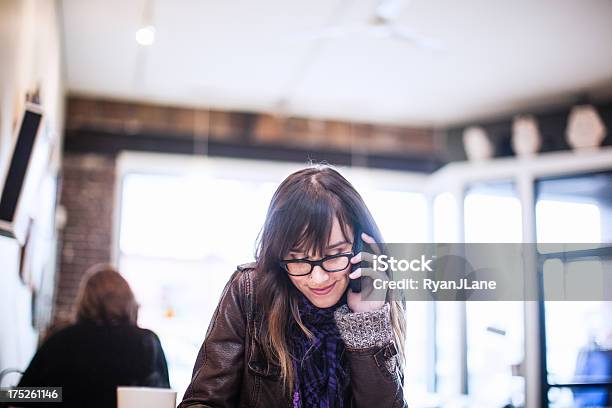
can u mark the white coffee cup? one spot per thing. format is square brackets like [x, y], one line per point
[139, 397]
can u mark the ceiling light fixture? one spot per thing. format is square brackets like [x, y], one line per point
[145, 36]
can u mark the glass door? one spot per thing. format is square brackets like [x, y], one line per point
[577, 344]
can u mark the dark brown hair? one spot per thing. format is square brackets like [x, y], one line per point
[105, 297]
[300, 217]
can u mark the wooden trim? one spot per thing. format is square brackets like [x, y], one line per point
[107, 143]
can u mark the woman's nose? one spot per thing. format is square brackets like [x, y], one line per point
[319, 275]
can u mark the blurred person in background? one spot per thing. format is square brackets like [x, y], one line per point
[103, 348]
[287, 330]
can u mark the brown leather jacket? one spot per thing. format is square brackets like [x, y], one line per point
[231, 371]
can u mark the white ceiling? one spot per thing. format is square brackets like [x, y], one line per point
[500, 57]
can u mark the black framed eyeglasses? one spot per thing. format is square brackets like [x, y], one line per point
[303, 267]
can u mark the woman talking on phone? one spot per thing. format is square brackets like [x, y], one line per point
[288, 331]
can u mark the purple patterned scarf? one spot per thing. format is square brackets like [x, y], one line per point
[321, 370]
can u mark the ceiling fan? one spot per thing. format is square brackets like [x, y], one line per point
[382, 24]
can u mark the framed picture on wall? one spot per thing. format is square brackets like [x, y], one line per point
[20, 176]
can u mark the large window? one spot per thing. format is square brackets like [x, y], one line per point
[487, 354]
[479, 345]
[181, 238]
[492, 213]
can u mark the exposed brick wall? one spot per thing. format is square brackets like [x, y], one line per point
[88, 187]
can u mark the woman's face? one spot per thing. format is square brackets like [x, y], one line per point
[324, 289]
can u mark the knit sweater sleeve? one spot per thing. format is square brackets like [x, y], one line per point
[364, 329]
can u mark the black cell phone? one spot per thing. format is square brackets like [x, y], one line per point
[355, 284]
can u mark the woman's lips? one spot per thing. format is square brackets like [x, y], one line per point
[323, 291]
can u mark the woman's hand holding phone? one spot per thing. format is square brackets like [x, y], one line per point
[358, 302]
